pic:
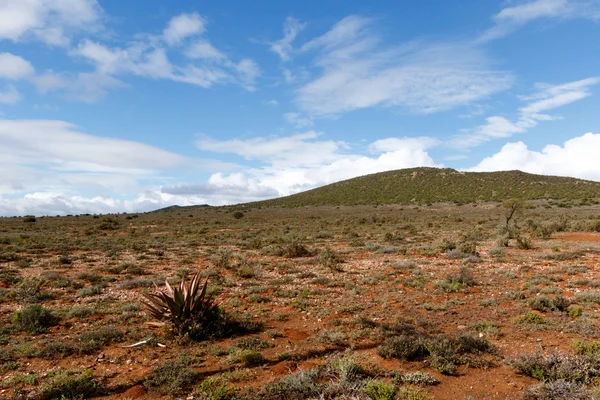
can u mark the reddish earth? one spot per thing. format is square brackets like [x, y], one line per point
[579, 237]
[304, 305]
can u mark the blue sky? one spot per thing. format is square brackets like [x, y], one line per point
[113, 106]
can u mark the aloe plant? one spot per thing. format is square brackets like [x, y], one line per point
[182, 305]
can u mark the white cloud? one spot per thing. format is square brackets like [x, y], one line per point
[248, 71]
[423, 77]
[298, 120]
[297, 150]
[52, 22]
[283, 47]
[87, 87]
[184, 26]
[206, 65]
[63, 203]
[14, 67]
[547, 98]
[49, 167]
[512, 18]
[399, 144]
[203, 49]
[9, 95]
[58, 145]
[59, 152]
[301, 162]
[577, 157]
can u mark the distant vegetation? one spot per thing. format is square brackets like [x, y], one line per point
[434, 185]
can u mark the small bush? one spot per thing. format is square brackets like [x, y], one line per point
[252, 343]
[585, 348]
[408, 393]
[575, 311]
[238, 215]
[405, 347]
[561, 389]
[252, 358]
[419, 378]
[588, 297]
[541, 303]
[89, 291]
[524, 243]
[172, 378]
[35, 319]
[91, 341]
[216, 389]
[497, 252]
[296, 249]
[330, 259]
[380, 390]
[299, 386]
[531, 318]
[65, 260]
[561, 303]
[556, 366]
[29, 218]
[67, 384]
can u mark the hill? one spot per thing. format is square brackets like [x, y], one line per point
[435, 185]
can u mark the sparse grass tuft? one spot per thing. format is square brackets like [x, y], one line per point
[35, 319]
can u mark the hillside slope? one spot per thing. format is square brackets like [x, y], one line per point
[435, 185]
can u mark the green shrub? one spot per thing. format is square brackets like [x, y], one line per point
[172, 378]
[216, 389]
[408, 393]
[556, 366]
[252, 343]
[299, 386]
[585, 348]
[70, 384]
[575, 311]
[531, 318]
[540, 303]
[252, 358]
[331, 260]
[89, 291]
[380, 390]
[34, 319]
[407, 347]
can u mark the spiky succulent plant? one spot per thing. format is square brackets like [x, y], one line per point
[184, 305]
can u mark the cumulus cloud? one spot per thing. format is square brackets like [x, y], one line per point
[283, 47]
[224, 189]
[52, 22]
[512, 18]
[63, 203]
[184, 26]
[50, 167]
[358, 72]
[547, 98]
[203, 49]
[304, 161]
[577, 157]
[14, 67]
